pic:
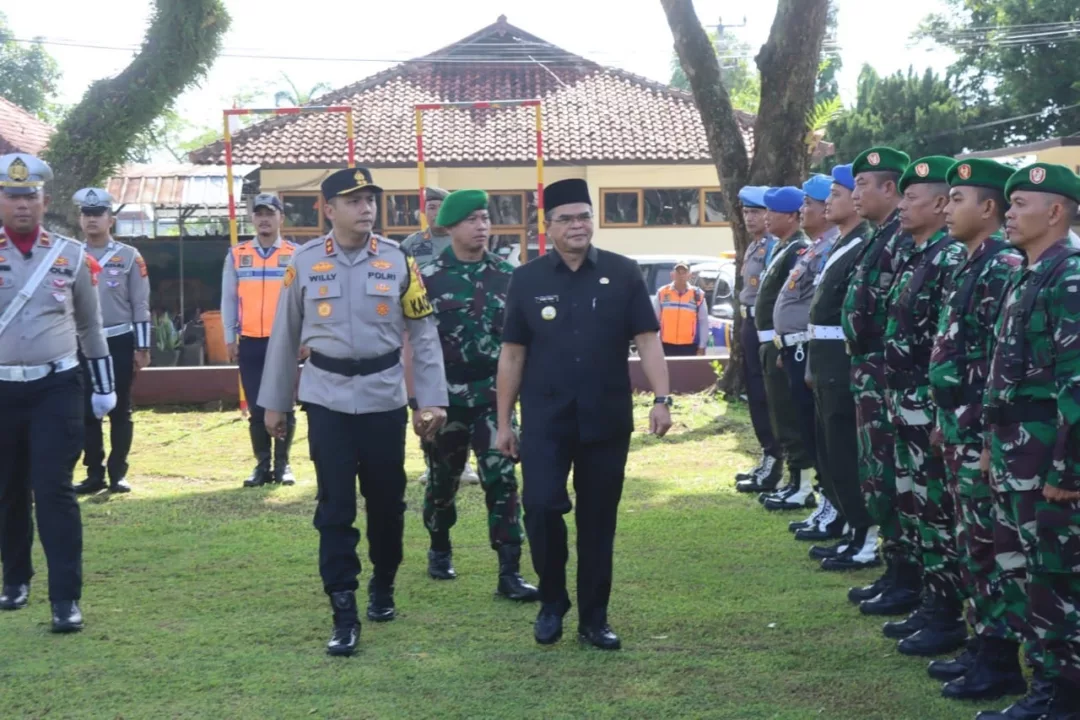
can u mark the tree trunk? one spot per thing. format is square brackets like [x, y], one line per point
[181, 43]
[788, 63]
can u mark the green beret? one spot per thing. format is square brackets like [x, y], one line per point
[880, 159]
[930, 169]
[1045, 178]
[978, 172]
[459, 204]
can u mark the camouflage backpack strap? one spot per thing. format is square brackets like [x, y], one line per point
[918, 279]
[1034, 290]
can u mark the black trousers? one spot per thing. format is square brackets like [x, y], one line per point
[121, 430]
[837, 442]
[547, 454]
[802, 400]
[370, 447]
[680, 350]
[251, 358]
[41, 438]
[783, 411]
[755, 388]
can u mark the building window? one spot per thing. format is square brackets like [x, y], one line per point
[303, 212]
[622, 207]
[663, 207]
[401, 211]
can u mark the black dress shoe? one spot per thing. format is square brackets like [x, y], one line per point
[913, 623]
[346, 633]
[1066, 702]
[957, 667]
[600, 637]
[259, 478]
[89, 486]
[440, 565]
[860, 554]
[1032, 706]
[119, 486]
[66, 617]
[549, 621]
[381, 601]
[15, 597]
[995, 672]
[830, 531]
[820, 552]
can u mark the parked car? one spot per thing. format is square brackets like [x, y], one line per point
[657, 268]
[717, 279]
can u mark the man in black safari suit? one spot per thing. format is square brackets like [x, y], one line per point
[570, 317]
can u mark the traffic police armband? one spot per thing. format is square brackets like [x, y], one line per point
[414, 301]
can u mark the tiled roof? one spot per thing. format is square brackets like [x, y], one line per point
[592, 114]
[20, 131]
[173, 185]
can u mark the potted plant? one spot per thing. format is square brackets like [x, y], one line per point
[167, 345]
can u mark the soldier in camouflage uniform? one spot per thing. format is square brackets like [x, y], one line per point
[927, 516]
[467, 288]
[1032, 411]
[959, 363]
[876, 171]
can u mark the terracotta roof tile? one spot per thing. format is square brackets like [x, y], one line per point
[20, 131]
[591, 113]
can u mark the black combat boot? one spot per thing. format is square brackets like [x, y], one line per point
[1032, 706]
[945, 630]
[346, 632]
[957, 667]
[381, 599]
[901, 597]
[260, 445]
[871, 591]
[66, 617]
[995, 673]
[94, 482]
[766, 479]
[1066, 702]
[440, 558]
[764, 468]
[511, 584]
[913, 623]
[282, 472]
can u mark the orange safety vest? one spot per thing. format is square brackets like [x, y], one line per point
[679, 315]
[259, 285]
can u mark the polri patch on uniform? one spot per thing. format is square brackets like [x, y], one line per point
[246, 260]
[290, 275]
[59, 283]
[60, 262]
[754, 281]
[324, 309]
[113, 271]
[323, 290]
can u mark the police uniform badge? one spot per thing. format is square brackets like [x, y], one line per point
[290, 275]
[18, 171]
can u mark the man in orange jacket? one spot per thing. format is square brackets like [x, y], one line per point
[684, 318]
[251, 282]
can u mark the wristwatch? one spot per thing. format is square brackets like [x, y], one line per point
[662, 400]
[413, 405]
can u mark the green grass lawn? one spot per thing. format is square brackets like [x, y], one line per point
[203, 600]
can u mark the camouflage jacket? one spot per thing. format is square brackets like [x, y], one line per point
[913, 306]
[865, 307]
[958, 374]
[1037, 363]
[469, 300]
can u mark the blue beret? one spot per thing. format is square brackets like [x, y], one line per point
[753, 196]
[784, 199]
[842, 175]
[818, 187]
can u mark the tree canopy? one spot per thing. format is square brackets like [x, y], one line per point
[29, 75]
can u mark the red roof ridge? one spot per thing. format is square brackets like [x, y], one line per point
[21, 131]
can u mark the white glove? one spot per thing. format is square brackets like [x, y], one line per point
[102, 404]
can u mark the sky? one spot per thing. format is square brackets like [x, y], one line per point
[362, 38]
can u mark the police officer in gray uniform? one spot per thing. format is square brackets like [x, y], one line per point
[766, 475]
[350, 299]
[124, 296]
[426, 245]
[48, 308]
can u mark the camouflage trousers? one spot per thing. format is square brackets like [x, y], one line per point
[974, 503]
[446, 457]
[1038, 552]
[927, 514]
[877, 467]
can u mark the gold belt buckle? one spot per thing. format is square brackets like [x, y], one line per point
[778, 342]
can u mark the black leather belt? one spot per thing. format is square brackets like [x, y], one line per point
[352, 368]
[1029, 411]
[471, 373]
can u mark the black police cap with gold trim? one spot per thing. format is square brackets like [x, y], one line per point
[347, 181]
